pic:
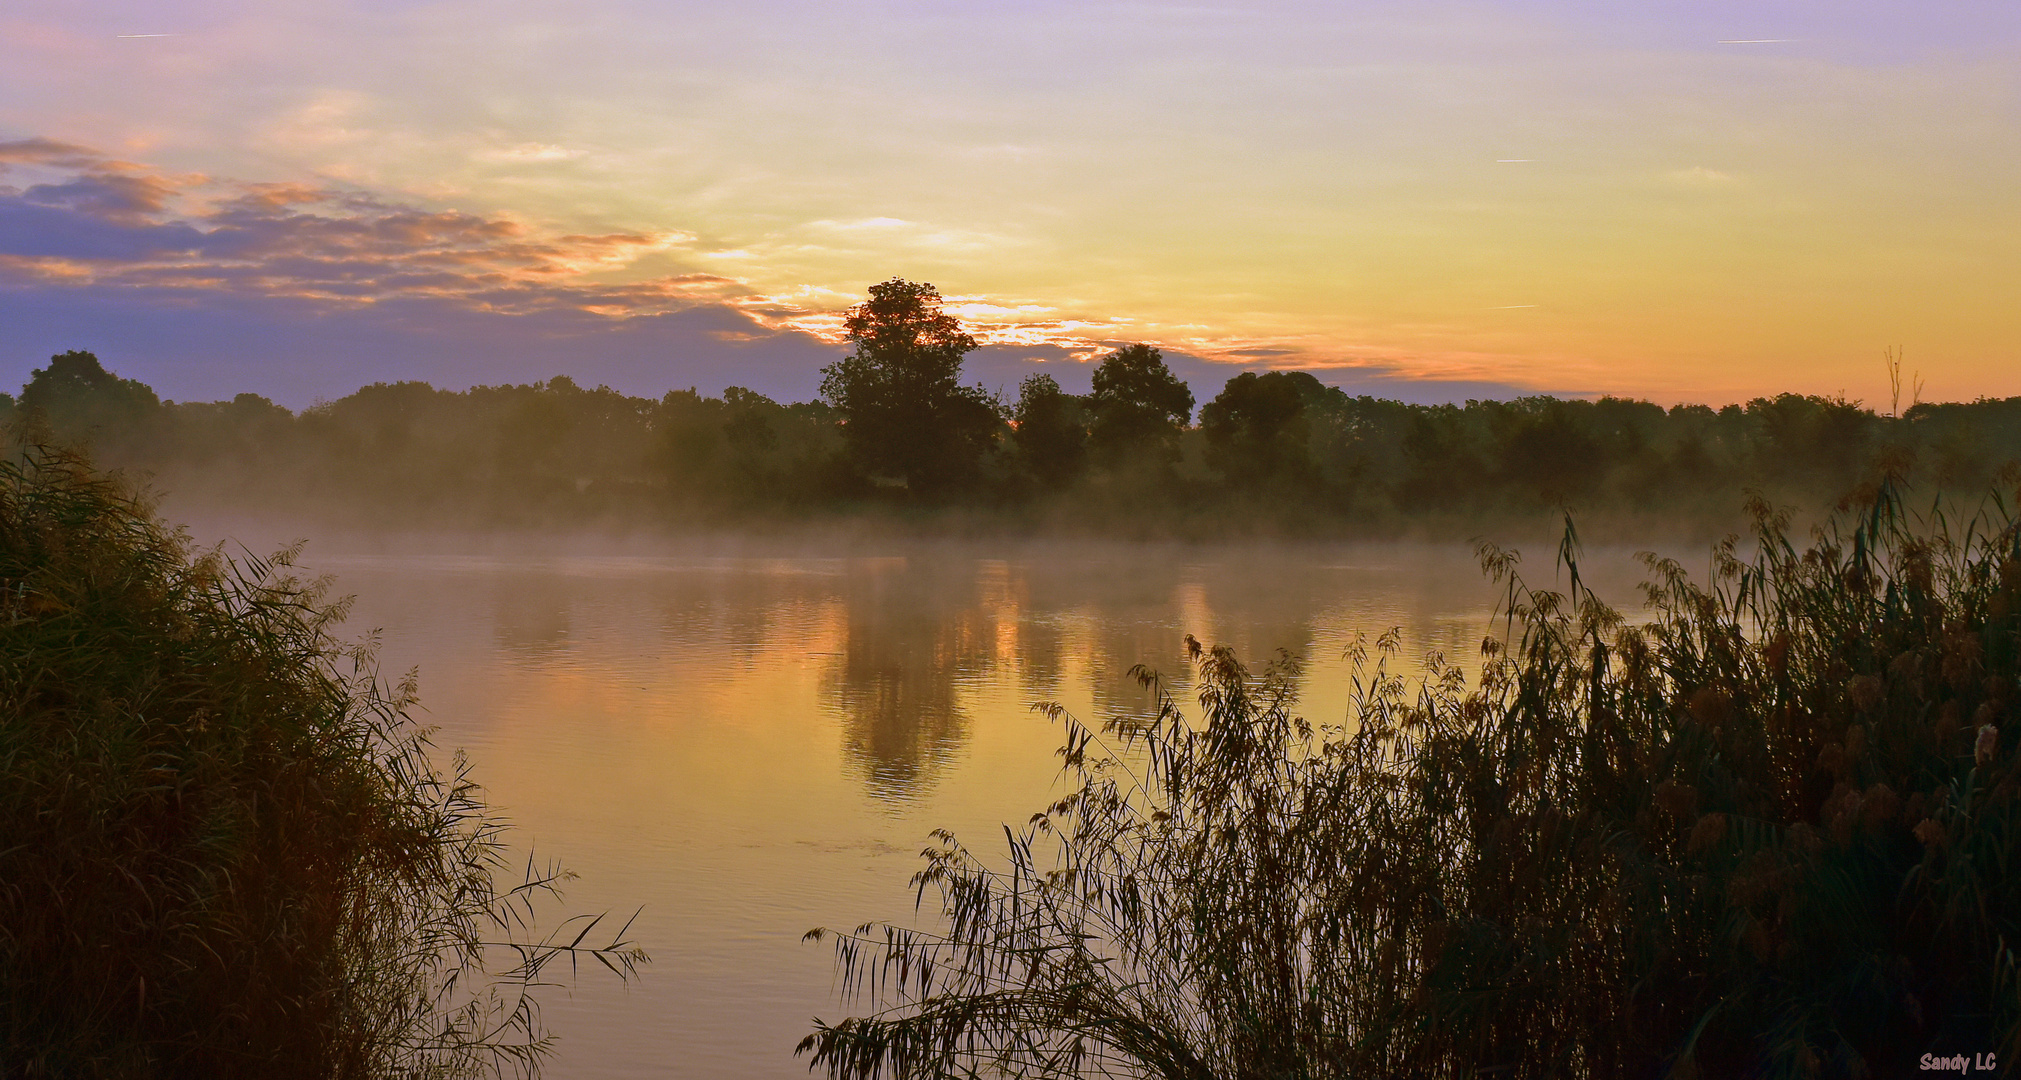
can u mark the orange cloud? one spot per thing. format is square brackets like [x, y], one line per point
[85, 220]
[97, 221]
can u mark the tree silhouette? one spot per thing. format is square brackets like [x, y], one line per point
[1256, 429]
[1290, 453]
[905, 416]
[86, 404]
[1052, 432]
[1139, 405]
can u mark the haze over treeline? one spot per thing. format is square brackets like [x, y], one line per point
[895, 435]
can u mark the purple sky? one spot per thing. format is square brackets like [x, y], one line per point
[1431, 200]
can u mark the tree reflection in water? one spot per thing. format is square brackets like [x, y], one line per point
[912, 635]
[922, 630]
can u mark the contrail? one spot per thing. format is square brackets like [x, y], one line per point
[1512, 160]
[1509, 307]
[1758, 41]
[145, 35]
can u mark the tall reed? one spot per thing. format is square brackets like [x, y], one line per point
[1769, 830]
[224, 850]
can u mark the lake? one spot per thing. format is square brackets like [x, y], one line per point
[749, 741]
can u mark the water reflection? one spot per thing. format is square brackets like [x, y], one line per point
[914, 629]
[752, 745]
[532, 618]
[907, 648]
[925, 636]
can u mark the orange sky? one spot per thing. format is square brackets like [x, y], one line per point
[1700, 202]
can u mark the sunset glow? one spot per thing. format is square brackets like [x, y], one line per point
[1686, 202]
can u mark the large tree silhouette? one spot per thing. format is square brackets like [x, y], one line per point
[905, 415]
[84, 404]
[1052, 431]
[1257, 430]
[1139, 405]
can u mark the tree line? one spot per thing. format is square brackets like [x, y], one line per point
[895, 432]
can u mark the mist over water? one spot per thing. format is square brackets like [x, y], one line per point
[751, 738]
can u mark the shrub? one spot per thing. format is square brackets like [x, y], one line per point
[1771, 831]
[223, 849]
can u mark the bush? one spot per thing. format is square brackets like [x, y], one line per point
[223, 849]
[1769, 832]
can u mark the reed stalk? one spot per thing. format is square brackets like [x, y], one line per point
[1769, 829]
[225, 850]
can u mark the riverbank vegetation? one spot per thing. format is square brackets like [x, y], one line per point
[225, 850]
[1766, 830]
[897, 437]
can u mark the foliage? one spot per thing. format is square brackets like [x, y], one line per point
[1767, 832]
[77, 393]
[1274, 452]
[1258, 427]
[1050, 431]
[903, 409]
[743, 453]
[1137, 405]
[224, 851]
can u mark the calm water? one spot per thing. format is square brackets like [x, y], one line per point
[749, 745]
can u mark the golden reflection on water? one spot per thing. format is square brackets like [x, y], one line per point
[750, 745]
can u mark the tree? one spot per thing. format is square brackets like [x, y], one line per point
[904, 413]
[1139, 406]
[84, 403]
[1256, 427]
[1052, 433]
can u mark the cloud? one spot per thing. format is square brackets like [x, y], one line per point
[113, 225]
[108, 195]
[865, 223]
[206, 288]
[46, 152]
[212, 345]
[1698, 176]
[54, 238]
[534, 152]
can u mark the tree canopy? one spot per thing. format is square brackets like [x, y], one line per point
[1051, 430]
[1257, 429]
[1137, 406]
[898, 434]
[904, 413]
[76, 394]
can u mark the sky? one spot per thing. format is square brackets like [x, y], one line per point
[1706, 201]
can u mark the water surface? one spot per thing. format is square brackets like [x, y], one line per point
[751, 743]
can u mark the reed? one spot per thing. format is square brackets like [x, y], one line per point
[1769, 829]
[224, 849]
